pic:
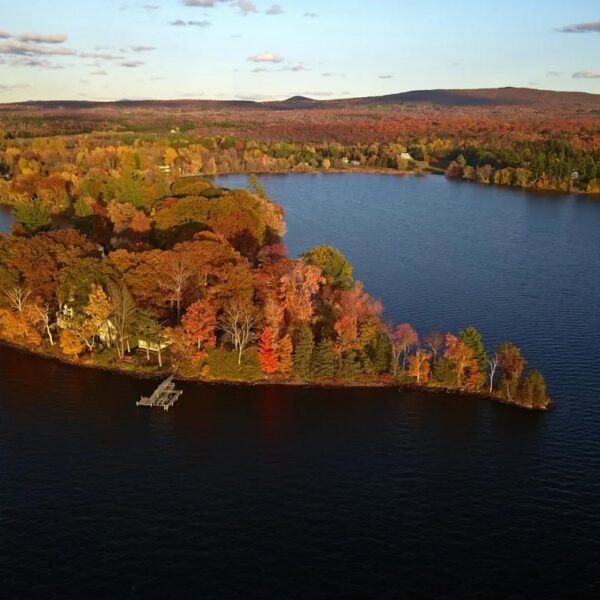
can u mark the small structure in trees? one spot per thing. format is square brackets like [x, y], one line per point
[106, 332]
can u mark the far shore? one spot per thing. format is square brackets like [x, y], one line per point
[158, 373]
[384, 171]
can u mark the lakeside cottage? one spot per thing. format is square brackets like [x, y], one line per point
[107, 332]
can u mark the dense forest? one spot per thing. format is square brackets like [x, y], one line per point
[524, 138]
[118, 260]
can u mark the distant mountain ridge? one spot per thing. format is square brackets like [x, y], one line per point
[505, 96]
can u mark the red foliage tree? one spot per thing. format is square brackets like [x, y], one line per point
[199, 324]
[267, 351]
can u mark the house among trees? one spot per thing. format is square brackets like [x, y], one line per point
[106, 332]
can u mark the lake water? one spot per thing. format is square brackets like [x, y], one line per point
[280, 492]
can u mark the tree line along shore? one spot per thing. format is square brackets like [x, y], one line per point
[161, 272]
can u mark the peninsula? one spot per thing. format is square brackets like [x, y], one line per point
[117, 261]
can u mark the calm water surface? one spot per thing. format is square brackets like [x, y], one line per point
[279, 492]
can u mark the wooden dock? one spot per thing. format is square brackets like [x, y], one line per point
[164, 395]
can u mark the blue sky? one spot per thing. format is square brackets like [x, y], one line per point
[260, 49]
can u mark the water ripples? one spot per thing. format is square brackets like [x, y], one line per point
[283, 492]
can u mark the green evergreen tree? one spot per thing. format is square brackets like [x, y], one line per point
[532, 390]
[367, 365]
[322, 364]
[383, 355]
[350, 368]
[303, 349]
[256, 187]
[472, 338]
[443, 372]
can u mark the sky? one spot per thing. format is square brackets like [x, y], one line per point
[263, 50]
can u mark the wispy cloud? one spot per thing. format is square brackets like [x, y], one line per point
[323, 94]
[5, 35]
[256, 97]
[99, 72]
[182, 23]
[246, 7]
[150, 7]
[100, 55]
[269, 57]
[586, 75]
[552, 73]
[329, 74]
[275, 10]
[40, 63]
[310, 15]
[587, 27]
[43, 38]
[14, 86]
[131, 64]
[385, 76]
[295, 68]
[143, 48]
[27, 49]
[202, 3]
[291, 67]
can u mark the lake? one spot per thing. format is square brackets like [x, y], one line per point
[283, 492]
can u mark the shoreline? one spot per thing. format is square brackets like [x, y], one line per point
[159, 374]
[394, 172]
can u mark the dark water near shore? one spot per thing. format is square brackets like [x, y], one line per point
[284, 492]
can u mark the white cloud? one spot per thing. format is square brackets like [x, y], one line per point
[275, 10]
[586, 75]
[99, 72]
[143, 48]
[270, 57]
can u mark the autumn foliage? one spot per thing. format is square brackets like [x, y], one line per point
[159, 270]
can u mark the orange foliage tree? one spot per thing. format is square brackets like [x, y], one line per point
[267, 351]
[199, 324]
